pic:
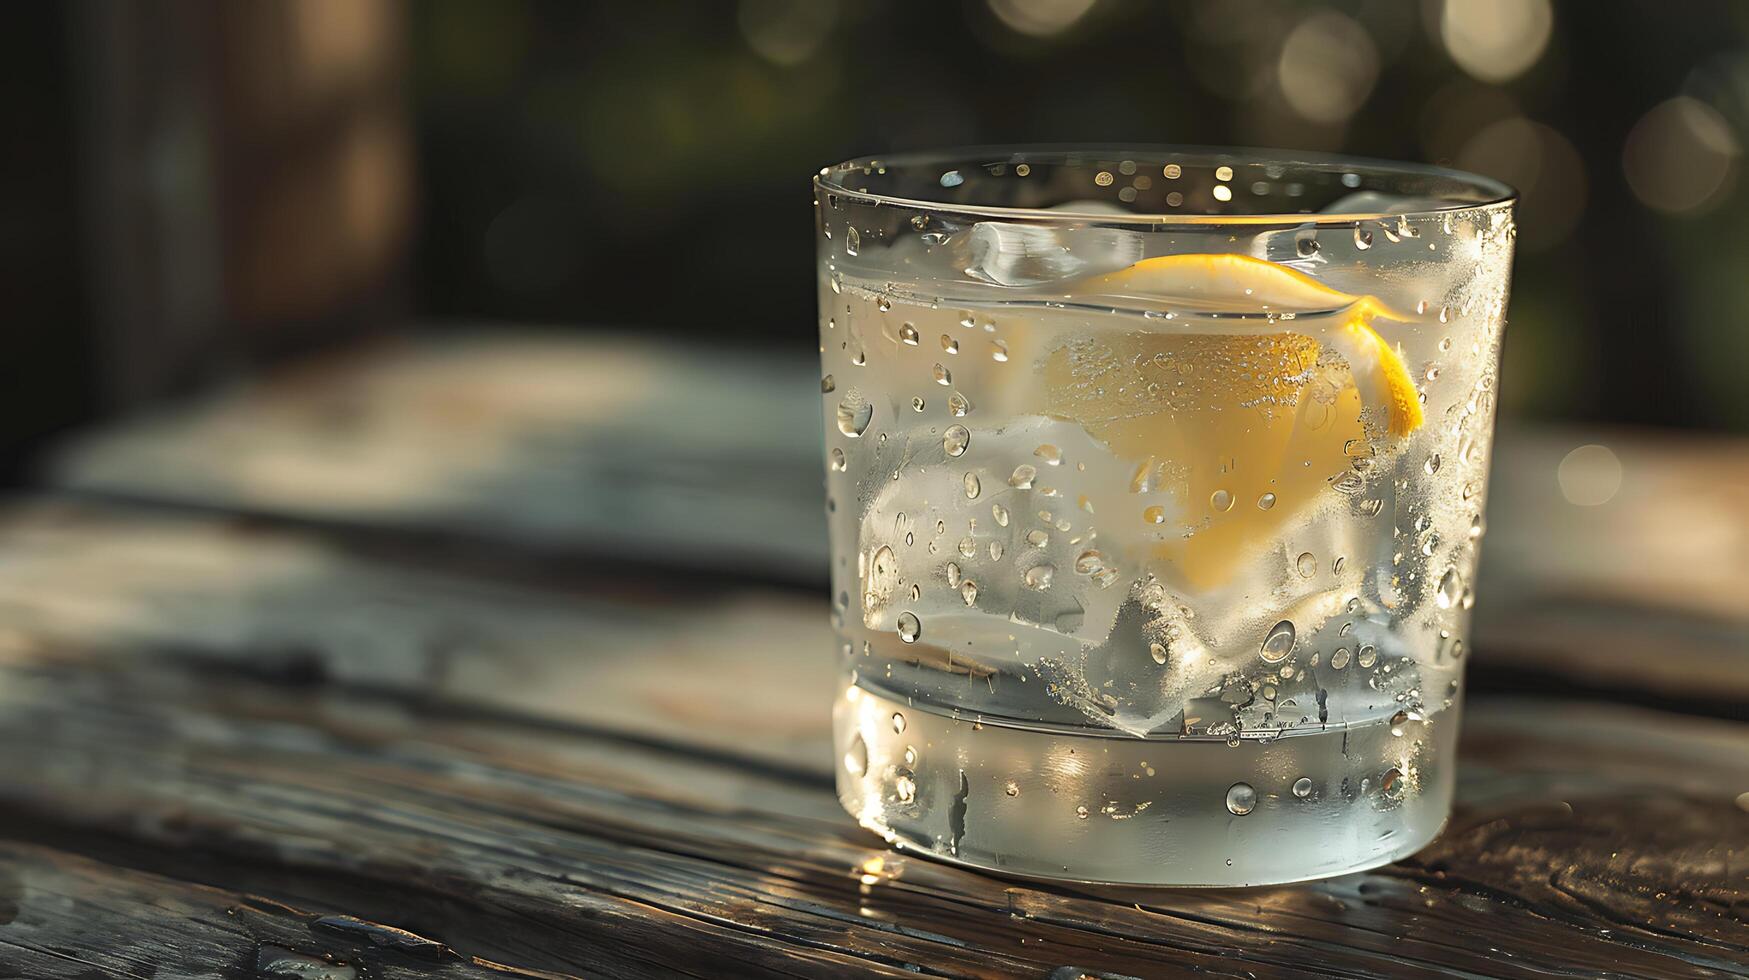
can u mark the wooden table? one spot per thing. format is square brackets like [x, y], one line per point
[483, 656]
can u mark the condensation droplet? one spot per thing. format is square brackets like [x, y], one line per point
[908, 333]
[953, 575]
[1000, 513]
[1339, 659]
[838, 461]
[1278, 642]
[1368, 656]
[1039, 576]
[1221, 500]
[968, 547]
[955, 440]
[969, 591]
[852, 240]
[1154, 515]
[941, 374]
[1451, 586]
[856, 757]
[905, 786]
[1241, 799]
[1081, 811]
[1398, 720]
[1037, 538]
[1011, 789]
[995, 551]
[909, 627]
[1362, 238]
[1303, 787]
[1432, 464]
[972, 486]
[1266, 501]
[1050, 454]
[1158, 652]
[1306, 565]
[949, 344]
[917, 404]
[999, 351]
[854, 414]
[959, 405]
[898, 723]
[1022, 477]
[827, 384]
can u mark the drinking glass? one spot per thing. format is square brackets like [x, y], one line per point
[1155, 480]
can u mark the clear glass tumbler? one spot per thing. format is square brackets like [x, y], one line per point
[1155, 480]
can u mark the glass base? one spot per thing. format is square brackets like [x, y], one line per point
[1100, 807]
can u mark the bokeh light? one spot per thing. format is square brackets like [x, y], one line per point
[787, 32]
[1681, 157]
[1589, 476]
[1328, 67]
[1496, 40]
[1543, 165]
[1040, 18]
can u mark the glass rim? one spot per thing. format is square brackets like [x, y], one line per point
[1491, 193]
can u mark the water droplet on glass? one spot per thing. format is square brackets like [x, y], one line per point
[1451, 586]
[917, 404]
[1081, 812]
[949, 344]
[1241, 799]
[1368, 656]
[1039, 576]
[1432, 465]
[1011, 789]
[1266, 501]
[854, 414]
[1089, 562]
[905, 786]
[827, 384]
[1392, 782]
[959, 405]
[1037, 538]
[1339, 659]
[856, 757]
[883, 578]
[1306, 565]
[1306, 247]
[969, 591]
[1154, 515]
[1303, 787]
[1050, 454]
[1371, 506]
[998, 351]
[852, 240]
[955, 440]
[972, 487]
[1221, 500]
[898, 722]
[995, 551]
[1362, 239]
[953, 575]
[968, 547]
[909, 627]
[838, 462]
[1398, 720]
[1158, 652]
[1336, 566]
[883, 304]
[942, 375]
[1278, 642]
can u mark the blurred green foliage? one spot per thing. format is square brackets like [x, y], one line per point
[647, 163]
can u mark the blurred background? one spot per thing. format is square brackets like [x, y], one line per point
[195, 188]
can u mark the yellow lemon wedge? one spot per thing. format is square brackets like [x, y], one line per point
[1231, 433]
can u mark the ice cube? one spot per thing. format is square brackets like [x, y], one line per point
[1010, 254]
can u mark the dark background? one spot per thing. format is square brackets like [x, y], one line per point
[194, 190]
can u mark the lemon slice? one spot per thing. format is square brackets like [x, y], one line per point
[1204, 282]
[1230, 434]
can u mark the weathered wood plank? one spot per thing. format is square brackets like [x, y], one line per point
[1589, 840]
[64, 917]
[597, 448]
[609, 444]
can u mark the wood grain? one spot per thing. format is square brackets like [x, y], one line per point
[536, 774]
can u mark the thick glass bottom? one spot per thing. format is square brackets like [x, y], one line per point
[1091, 806]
